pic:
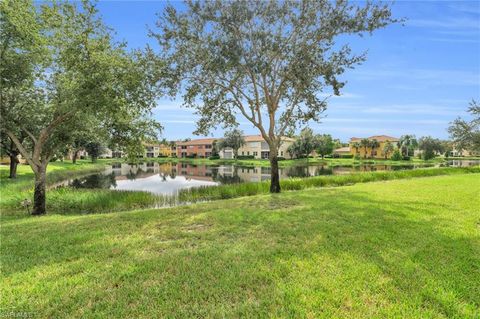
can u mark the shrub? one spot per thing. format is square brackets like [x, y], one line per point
[214, 157]
[396, 156]
[406, 158]
[191, 156]
[345, 155]
[280, 158]
[357, 157]
[243, 157]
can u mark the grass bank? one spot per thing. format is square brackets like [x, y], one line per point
[249, 189]
[89, 201]
[398, 249]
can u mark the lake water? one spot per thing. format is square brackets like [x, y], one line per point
[169, 178]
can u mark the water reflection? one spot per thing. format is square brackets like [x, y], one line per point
[168, 178]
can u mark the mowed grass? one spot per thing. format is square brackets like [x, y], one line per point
[396, 249]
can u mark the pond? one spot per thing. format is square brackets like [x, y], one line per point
[169, 178]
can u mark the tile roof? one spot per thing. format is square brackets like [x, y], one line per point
[200, 141]
[380, 138]
[342, 149]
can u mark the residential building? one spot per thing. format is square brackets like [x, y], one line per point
[342, 151]
[372, 152]
[256, 146]
[167, 150]
[152, 150]
[200, 148]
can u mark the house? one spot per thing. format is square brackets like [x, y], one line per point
[372, 152]
[152, 150]
[256, 146]
[342, 151]
[201, 148]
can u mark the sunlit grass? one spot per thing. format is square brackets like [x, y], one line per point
[397, 249]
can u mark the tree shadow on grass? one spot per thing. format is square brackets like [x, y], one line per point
[202, 260]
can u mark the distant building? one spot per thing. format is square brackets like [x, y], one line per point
[342, 151]
[372, 152]
[256, 146]
[200, 148]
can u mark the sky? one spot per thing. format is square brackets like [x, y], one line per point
[418, 77]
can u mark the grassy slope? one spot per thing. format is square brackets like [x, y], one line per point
[403, 249]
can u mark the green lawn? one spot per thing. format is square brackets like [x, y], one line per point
[397, 249]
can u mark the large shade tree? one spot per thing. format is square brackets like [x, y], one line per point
[266, 60]
[233, 139]
[466, 134]
[58, 65]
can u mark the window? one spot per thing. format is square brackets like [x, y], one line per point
[200, 147]
[208, 146]
[184, 147]
[248, 152]
[281, 153]
[255, 154]
[243, 153]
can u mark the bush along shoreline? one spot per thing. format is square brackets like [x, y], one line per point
[208, 193]
[90, 201]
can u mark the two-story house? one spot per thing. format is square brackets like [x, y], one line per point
[375, 148]
[200, 148]
[256, 146]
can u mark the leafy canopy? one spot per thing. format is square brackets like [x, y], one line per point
[265, 60]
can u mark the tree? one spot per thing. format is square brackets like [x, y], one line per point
[407, 144]
[265, 60]
[429, 146]
[365, 143]
[325, 145]
[59, 64]
[8, 147]
[466, 134]
[356, 146]
[305, 144]
[388, 148]
[233, 139]
[374, 144]
[94, 150]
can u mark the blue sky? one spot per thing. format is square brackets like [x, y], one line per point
[417, 78]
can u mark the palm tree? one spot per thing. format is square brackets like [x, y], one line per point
[365, 143]
[374, 144]
[387, 149]
[356, 146]
[406, 143]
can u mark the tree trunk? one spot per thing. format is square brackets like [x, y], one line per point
[274, 177]
[13, 166]
[39, 196]
[75, 155]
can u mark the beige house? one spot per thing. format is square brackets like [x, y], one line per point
[256, 146]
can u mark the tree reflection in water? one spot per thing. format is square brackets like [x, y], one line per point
[95, 181]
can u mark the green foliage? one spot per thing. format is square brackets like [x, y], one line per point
[94, 150]
[388, 148]
[64, 76]
[325, 145]
[429, 147]
[305, 144]
[233, 139]
[407, 144]
[466, 134]
[208, 193]
[396, 156]
[266, 60]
